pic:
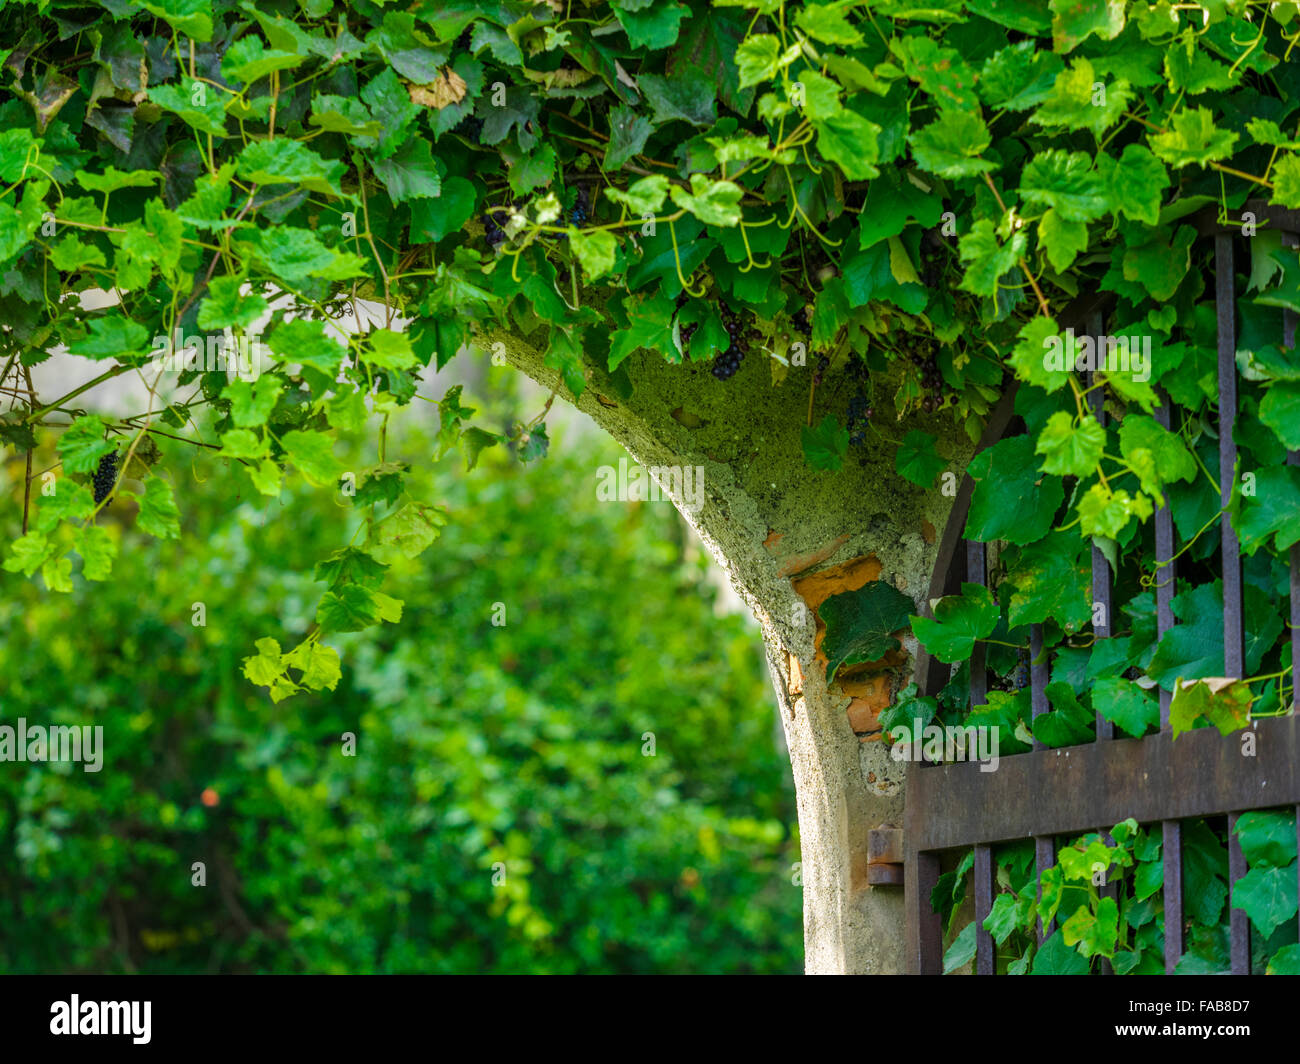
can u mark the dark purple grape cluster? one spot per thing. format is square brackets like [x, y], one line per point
[580, 212]
[923, 354]
[726, 364]
[802, 323]
[933, 253]
[860, 410]
[494, 219]
[471, 128]
[105, 476]
[820, 369]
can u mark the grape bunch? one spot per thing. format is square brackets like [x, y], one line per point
[933, 249]
[860, 410]
[923, 354]
[494, 220]
[726, 364]
[580, 212]
[105, 476]
[802, 322]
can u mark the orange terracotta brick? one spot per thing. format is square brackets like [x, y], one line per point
[797, 563]
[847, 576]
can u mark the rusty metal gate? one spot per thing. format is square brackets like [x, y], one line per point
[1052, 792]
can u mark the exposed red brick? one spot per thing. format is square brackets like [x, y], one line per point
[927, 531]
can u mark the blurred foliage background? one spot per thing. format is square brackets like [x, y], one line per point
[499, 814]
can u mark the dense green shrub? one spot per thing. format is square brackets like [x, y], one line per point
[476, 744]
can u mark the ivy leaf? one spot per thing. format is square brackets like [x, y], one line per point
[916, 459]
[1271, 511]
[313, 453]
[410, 173]
[1280, 411]
[112, 336]
[825, 446]
[1069, 723]
[596, 250]
[687, 96]
[1193, 140]
[652, 26]
[850, 141]
[318, 664]
[97, 548]
[1071, 450]
[1223, 701]
[1054, 957]
[951, 145]
[1013, 500]
[1167, 458]
[643, 197]
[196, 104]
[248, 60]
[962, 950]
[1268, 896]
[859, 624]
[28, 553]
[82, 444]
[1073, 23]
[959, 622]
[283, 161]
[406, 534]
[251, 403]
[628, 132]
[760, 59]
[192, 18]
[1268, 837]
[1094, 933]
[158, 514]
[350, 608]
[1106, 512]
[712, 202]
[650, 325]
[389, 350]
[1066, 182]
[1134, 184]
[227, 306]
[1062, 240]
[1126, 705]
[1002, 918]
[1051, 578]
[827, 23]
[1286, 180]
[1029, 358]
[306, 342]
[988, 261]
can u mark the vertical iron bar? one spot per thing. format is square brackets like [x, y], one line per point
[984, 955]
[1234, 639]
[1173, 861]
[1044, 858]
[925, 951]
[1109, 890]
[1166, 567]
[977, 573]
[1101, 575]
[1238, 921]
[1291, 240]
[1038, 677]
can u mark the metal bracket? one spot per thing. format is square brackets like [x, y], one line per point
[885, 857]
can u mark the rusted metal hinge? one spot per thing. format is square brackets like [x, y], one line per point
[885, 856]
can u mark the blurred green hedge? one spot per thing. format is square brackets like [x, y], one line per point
[511, 753]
